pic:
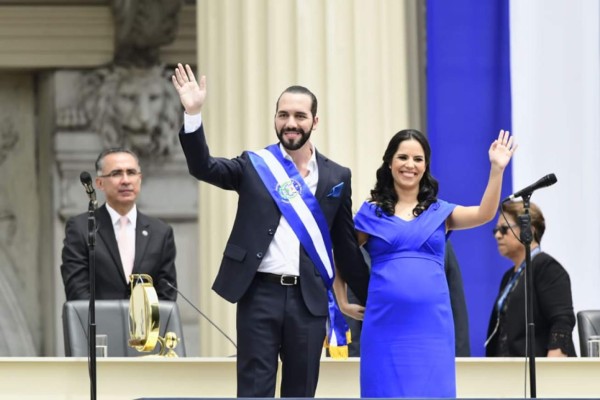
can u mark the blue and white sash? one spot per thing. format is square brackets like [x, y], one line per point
[302, 211]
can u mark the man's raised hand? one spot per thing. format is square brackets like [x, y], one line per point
[191, 93]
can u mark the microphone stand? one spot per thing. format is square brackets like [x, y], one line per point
[92, 307]
[527, 238]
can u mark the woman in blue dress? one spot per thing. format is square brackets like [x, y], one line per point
[407, 340]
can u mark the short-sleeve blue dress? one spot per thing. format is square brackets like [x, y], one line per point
[407, 340]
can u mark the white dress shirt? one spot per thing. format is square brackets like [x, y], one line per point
[283, 254]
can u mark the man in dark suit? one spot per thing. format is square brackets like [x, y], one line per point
[458, 302]
[279, 288]
[127, 241]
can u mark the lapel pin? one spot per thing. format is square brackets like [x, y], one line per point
[144, 233]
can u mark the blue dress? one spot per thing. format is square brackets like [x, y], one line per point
[407, 340]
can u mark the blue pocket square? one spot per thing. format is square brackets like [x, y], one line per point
[336, 191]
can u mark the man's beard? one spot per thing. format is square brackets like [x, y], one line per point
[296, 143]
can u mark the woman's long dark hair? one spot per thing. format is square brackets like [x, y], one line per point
[384, 194]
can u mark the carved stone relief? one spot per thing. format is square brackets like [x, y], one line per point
[137, 108]
[130, 103]
[8, 137]
[13, 268]
[142, 26]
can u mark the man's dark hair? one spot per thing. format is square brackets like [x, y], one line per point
[100, 160]
[302, 90]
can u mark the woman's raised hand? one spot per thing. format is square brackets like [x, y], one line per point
[502, 149]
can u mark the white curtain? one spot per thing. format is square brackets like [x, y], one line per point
[555, 57]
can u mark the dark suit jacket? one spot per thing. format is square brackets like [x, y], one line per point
[552, 311]
[154, 255]
[258, 217]
[458, 302]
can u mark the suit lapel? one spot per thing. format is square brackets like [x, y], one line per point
[324, 176]
[142, 237]
[106, 232]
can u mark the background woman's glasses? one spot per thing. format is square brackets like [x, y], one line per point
[503, 229]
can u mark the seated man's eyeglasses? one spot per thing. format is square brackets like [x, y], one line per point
[503, 229]
[120, 173]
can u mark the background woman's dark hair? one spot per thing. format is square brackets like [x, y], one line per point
[384, 194]
[538, 223]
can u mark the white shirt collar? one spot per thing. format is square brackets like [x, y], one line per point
[115, 216]
[312, 163]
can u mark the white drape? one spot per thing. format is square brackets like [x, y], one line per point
[555, 69]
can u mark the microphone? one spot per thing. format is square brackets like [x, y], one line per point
[199, 312]
[86, 181]
[547, 180]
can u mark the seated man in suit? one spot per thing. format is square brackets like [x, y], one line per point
[458, 303]
[127, 241]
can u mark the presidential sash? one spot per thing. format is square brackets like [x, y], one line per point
[302, 211]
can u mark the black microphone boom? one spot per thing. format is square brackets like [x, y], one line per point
[545, 181]
[86, 181]
[199, 312]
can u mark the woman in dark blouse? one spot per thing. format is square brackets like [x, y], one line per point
[552, 302]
